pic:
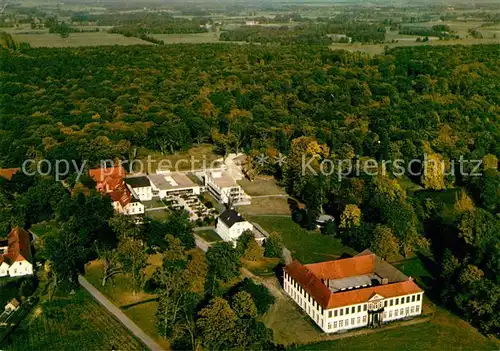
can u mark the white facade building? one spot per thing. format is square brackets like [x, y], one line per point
[230, 225]
[173, 184]
[352, 293]
[15, 254]
[224, 188]
[140, 187]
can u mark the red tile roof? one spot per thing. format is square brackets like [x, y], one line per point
[19, 246]
[123, 196]
[352, 297]
[309, 283]
[8, 173]
[309, 277]
[343, 268]
[99, 174]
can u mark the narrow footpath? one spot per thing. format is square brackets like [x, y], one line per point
[127, 322]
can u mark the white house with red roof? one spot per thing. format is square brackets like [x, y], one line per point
[15, 254]
[111, 181]
[361, 291]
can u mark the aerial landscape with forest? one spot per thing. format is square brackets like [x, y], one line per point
[258, 175]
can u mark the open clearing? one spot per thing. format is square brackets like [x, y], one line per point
[266, 206]
[195, 158]
[77, 322]
[261, 186]
[197, 38]
[379, 48]
[306, 246]
[77, 39]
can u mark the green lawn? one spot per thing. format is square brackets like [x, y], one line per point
[306, 246]
[158, 214]
[263, 268]
[209, 235]
[76, 322]
[444, 332]
[43, 228]
[415, 268]
[261, 186]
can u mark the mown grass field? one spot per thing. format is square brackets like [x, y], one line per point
[76, 322]
[261, 186]
[77, 39]
[266, 206]
[306, 246]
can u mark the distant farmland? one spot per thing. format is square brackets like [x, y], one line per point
[77, 39]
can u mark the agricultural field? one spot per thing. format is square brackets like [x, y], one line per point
[76, 322]
[380, 48]
[197, 38]
[77, 39]
[140, 306]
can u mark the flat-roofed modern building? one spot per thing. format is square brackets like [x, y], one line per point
[173, 184]
[224, 188]
[362, 291]
[140, 187]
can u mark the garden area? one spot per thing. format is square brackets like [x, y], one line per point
[75, 322]
[209, 235]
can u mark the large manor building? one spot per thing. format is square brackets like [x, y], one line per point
[350, 293]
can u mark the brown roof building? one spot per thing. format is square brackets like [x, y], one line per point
[8, 173]
[15, 253]
[353, 292]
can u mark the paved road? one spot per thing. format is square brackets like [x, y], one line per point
[147, 340]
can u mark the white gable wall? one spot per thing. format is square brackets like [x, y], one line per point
[20, 268]
[4, 269]
[232, 234]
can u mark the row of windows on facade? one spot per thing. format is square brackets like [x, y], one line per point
[303, 292]
[355, 321]
[340, 312]
[387, 303]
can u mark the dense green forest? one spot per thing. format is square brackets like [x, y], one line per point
[311, 33]
[92, 104]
